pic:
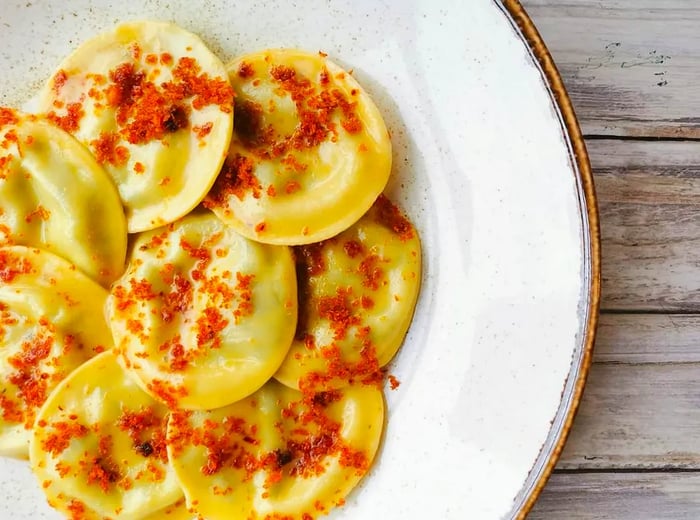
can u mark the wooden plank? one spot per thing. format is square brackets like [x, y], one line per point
[637, 417]
[649, 199]
[645, 338]
[641, 407]
[630, 66]
[605, 496]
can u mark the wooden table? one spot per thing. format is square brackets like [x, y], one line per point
[632, 68]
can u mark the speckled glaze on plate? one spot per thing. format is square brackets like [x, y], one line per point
[489, 164]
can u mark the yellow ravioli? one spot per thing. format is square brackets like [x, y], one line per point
[357, 293]
[50, 323]
[98, 448]
[278, 454]
[155, 107]
[310, 151]
[55, 196]
[176, 511]
[203, 316]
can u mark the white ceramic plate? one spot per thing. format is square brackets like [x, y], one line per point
[484, 143]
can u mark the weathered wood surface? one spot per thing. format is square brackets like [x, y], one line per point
[649, 199]
[620, 496]
[641, 408]
[635, 339]
[632, 68]
[638, 417]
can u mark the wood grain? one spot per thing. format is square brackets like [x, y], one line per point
[633, 451]
[619, 496]
[641, 407]
[644, 416]
[665, 339]
[649, 198]
[630, 66]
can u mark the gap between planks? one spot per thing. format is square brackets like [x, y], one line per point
[627, 471]
[640, 138]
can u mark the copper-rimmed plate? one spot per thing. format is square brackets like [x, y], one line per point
[490, 165]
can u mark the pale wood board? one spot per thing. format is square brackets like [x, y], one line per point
[630, 65]
[620, 496]
[664, 339]
[649, 199]
[643, 416]
[641, 408]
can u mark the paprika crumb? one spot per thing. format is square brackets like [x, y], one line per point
[167, 392]
[8, 116]
[245, 70]
[393, 382]
[63, 432]
[146, 430]
[236, 178]
[70, 121]
[391, 217]
[107, 150]
[41, 212]
[59, 79]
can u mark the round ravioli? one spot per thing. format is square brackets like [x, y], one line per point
[357, 292]
[48, 327]
[203, 316]
[155, 107]
[310, 151]
[98, 447]
[55, 196]
[278, 453]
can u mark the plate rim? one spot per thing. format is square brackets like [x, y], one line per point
[578, 155]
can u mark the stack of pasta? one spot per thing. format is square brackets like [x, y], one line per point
[201, 283]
